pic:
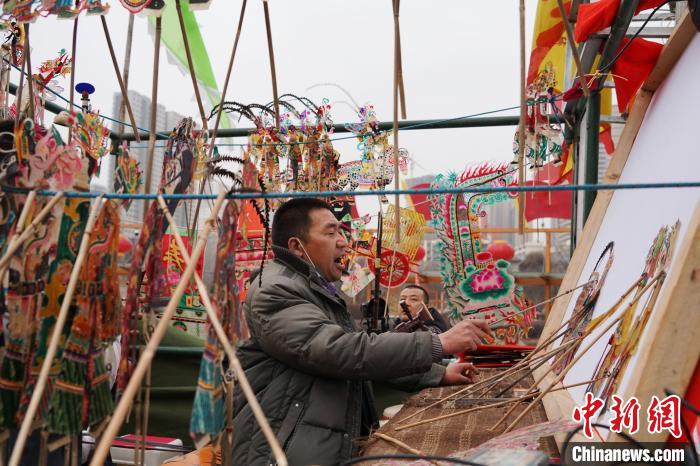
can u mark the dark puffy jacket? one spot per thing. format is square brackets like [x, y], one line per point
[309, 367]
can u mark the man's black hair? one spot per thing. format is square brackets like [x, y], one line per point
[418, 287]
[292, 219]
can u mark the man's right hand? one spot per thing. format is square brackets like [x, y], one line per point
[464, 337]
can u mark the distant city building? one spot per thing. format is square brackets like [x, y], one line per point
[165, 122]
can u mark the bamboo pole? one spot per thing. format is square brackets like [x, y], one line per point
[127, 68]
[30, 75]
[122, 87]
[561, 375]
[190, 64]
[230, 353]
[399, 444]
[228, 78]
[556, 363]
[453, 395]
[520, 365]
[149, 352]
[144, 408]
[221, 105]
[154, 112]
[516, 401]
[12, 248]
[533, 387]
[534, 366]
[20, 88]
[534, 306]
[20, 227]
[40, 385]
[574, 50]
[465, 411]
[397, 64]
[494, 379]
[402, 90]
[74, 47]
[143, 399]
[271, 54]
[521, 125]
[566, 370]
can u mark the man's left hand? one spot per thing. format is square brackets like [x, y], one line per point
[460, 373]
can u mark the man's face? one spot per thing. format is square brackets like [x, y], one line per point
[325, 244]
[414, 298]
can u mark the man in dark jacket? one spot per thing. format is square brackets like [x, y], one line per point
[416, 299]
[306, 361]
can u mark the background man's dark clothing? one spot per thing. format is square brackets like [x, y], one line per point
[309, 368]
[438, 325]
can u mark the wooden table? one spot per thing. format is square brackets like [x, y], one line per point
[458, 433]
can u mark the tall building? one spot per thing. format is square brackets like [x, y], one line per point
[165, 122]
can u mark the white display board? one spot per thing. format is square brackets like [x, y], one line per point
[666, 149]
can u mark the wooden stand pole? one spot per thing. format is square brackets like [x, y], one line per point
[397, 173]
[521, 125]
[20, 88]
[72, 74]
[271, 54]
[190, 64]
[228, 78]
[150, 350]
[219, 111]
[574, 50]
[228, 349]
[19, 229]
[154, 111]
[127, 68]
[24, 236]
[122, 87]
[30, 74]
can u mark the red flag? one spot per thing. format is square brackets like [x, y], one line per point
[546, 204]
[420, 201]
[593, 17]
[606, 138]
[632, 68]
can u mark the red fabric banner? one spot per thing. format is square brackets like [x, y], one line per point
[632, 69]
[594, 17]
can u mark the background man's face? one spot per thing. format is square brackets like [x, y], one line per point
[326, 243]
[414, 298]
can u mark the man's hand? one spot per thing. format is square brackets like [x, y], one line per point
[459, 374]
[464, 337]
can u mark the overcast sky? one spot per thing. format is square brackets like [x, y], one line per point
[459, 58]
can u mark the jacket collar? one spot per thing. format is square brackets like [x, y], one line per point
[302, 267]
[295, 263]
